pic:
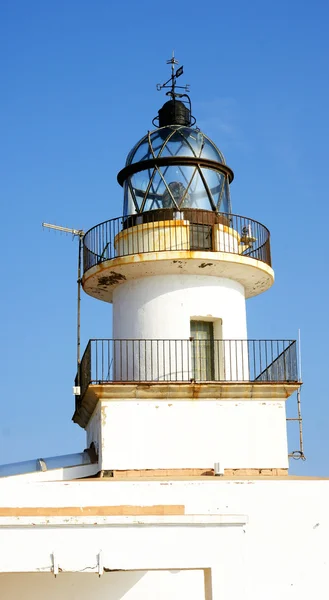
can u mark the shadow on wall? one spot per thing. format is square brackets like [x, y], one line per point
[115, 585]
[70, 586]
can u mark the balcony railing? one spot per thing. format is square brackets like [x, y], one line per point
[176, 230]
[108, 361]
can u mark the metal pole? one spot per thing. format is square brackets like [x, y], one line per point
[299, 407]
[79, 309]
[300, 425]
[80, 234]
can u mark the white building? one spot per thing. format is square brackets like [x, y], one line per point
[183, 491]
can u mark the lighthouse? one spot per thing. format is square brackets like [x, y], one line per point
[180, 388]
[183, 488]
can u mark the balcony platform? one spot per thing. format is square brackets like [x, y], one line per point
[101, 280]
[164, 391]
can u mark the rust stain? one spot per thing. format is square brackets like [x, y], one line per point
[196, 390]
[180, 263]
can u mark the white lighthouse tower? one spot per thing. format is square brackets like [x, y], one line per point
[180, 388]
[183, 490]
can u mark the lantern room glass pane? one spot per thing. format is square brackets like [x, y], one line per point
[225, 205]
[176, 186]
[182, 142]
[198, 196]
[178, 179]
[215, 182]
[175, 141]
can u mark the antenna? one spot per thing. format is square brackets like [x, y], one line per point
[75, 233]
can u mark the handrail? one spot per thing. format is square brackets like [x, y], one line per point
[187, 360]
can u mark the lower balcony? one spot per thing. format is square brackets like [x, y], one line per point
[204, 363]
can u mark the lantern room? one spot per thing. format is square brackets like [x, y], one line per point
[177, 167]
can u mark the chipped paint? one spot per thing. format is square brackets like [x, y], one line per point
[112, 279]
[103, 414]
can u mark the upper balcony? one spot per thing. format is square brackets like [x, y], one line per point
[167, 241]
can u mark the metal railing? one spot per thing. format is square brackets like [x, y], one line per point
[189, 360]
[175, 230]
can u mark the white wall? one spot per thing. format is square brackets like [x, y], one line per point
[279, 551]
[178, 434]
[161, 307]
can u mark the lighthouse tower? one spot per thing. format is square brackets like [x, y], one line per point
[184, 491]
[180, 388]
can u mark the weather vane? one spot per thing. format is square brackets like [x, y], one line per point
[172, 81]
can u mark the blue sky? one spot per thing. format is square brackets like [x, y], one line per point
[78, 90]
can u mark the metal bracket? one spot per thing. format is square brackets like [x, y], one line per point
[55, 564]
[100, 563]
[42, 464]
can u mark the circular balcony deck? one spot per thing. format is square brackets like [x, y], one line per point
[168, 241]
